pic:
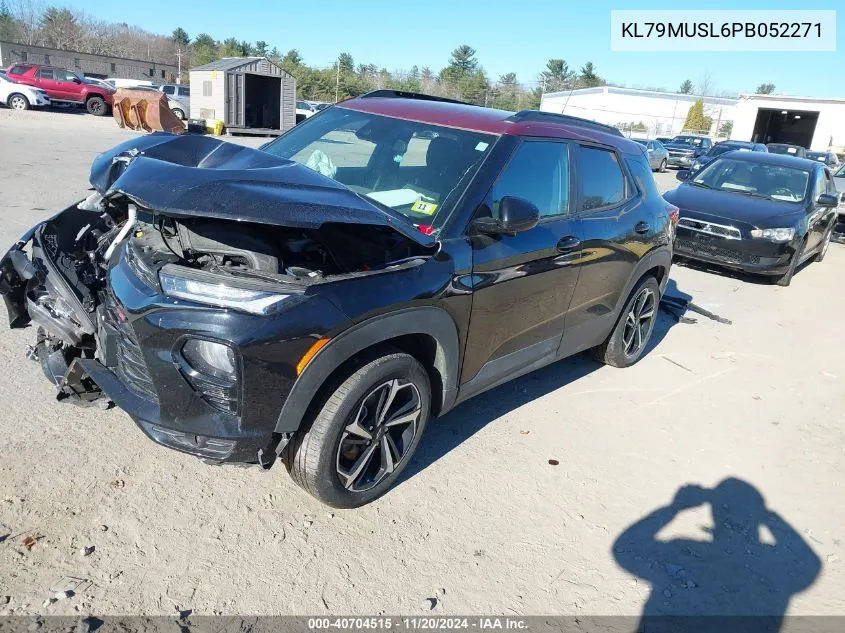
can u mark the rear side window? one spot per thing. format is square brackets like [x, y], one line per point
[601, 178]
[45, 73]
[641, 172]
[539, 173]
[169, 90]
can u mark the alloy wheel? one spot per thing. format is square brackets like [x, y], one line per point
[638, 322]
[378, 435]
[18, 103]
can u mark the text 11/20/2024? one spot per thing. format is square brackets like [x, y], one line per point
[422, 623]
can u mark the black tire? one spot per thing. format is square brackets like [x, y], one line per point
[96, 106]
[179, 114]
[320, 451]
[786, 278]
[825, 245]
[17, 101]
[662, 168]
[616, 350]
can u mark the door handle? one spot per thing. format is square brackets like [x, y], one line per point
[568, 243]
[642, 227]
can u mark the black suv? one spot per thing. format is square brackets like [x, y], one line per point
[320, 299]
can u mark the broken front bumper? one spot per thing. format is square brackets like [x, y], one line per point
[748, 255]
[125, 340]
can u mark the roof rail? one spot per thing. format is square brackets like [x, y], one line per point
[552, 117]
[404, 94]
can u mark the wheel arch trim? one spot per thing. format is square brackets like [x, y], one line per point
[428, 321]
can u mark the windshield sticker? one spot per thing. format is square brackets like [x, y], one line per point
[481, 146]
[426, 208]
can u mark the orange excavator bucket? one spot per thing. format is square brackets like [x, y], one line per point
[145, 110]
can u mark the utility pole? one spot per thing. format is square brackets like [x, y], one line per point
[337, 82]
[179, 65]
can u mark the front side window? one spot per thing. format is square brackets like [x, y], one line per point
[379, 157]
[184, 92]
[538, 173]
[601, 177]
[65, 75]
[760, 180]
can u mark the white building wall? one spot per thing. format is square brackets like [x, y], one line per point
[210, 107]
[662, 113]
[830, 128]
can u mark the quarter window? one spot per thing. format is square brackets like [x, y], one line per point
[538, 173]
[602, 180]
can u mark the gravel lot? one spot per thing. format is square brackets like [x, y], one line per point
[483, 523]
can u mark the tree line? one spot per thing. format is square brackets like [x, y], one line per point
[463, 77]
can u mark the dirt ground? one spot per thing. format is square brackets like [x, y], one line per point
[483, 522]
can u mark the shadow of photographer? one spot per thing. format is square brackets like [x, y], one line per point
[741, 579]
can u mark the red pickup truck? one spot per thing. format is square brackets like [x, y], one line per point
[63, 85]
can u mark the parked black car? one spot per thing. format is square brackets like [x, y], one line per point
[321, 299]
[785, 148]
[757, 212]
[722, 148]
[685, 148]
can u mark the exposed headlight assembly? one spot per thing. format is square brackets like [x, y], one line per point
[774, 235]
[254, 297]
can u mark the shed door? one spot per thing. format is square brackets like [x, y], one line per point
[234, 100]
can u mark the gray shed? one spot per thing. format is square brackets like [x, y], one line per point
[251, 95]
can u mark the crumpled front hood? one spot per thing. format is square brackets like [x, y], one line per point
[202, 176]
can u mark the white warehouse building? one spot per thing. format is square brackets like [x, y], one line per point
[817, 124]
[661, 113]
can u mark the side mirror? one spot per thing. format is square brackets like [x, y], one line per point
[829, 200]
[682, 174]
[76, 80]
[515, 215]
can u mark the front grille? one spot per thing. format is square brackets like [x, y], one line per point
[131, 366]
[710, 228]
[709, 250]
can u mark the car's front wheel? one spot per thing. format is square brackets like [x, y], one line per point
[630, 337]
[786, 278]
[825, 242]
[364, 433]
[17, 101]
[96, 106]
[179, 114]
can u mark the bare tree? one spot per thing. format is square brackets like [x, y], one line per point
[706, 85]
[27, 14]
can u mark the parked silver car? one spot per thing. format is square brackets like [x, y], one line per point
[179, 99]
[658, 155]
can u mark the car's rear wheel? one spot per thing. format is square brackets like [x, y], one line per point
[179, 114]
[662, 168]
[632, 333]
[364, 434]
[96, 106]
[825, 242]
[18, 102]
[786, 278]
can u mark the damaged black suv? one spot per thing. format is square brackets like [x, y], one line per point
[320, 299]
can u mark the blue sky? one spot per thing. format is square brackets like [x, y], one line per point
[508, 36]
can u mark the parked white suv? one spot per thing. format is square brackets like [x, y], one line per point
[21, 97]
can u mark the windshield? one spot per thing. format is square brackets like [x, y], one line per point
[721, 148]
[820, 156]
[416, 169]
[759, 179]
[691, 141]
[783, 149]
[840, 172]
